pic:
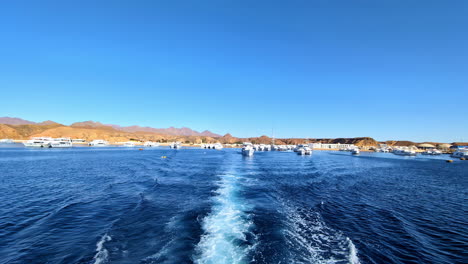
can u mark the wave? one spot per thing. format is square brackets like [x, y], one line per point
[102, 255]
[227, 229]
[310, 240]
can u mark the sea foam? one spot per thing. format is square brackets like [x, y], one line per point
[102, 254]
[226, 228]
[310, 240]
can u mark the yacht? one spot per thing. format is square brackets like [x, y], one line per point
[60, 143]
[38, 142]
[175, 145]
[432, 152]
[248, 149]
[460, 153]
[218, 146]
[305, 150]
[98, 143]
[150, 144]
[129, 144]
[355, 151]
[404, 152]
[299, 147]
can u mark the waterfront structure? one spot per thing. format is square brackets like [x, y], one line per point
[331, 146]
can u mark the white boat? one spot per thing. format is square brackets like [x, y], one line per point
[248, 149]
[460, 153]
[175, 145]
[38, 142]
[355, 151]
[150, 144]
[404, 152]
[298, 148]
[432, 152]
[60, 143]
[218, 146]
[129, 144]
[305, 150]
[6, 141]
[98, 143]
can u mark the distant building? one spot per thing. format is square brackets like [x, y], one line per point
[330, 146]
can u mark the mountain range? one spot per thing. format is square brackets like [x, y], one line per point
[183, 131]
[17, 128]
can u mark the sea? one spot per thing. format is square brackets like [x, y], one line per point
[160, 205]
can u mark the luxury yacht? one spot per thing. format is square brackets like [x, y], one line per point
[98, 143]
[248, 149]
[150, 144]
[38, 142]
[129, 144]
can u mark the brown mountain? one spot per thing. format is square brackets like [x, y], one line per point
[14, 121]
[18, 128]
[183, 131]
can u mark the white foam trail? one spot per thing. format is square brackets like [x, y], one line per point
[225, 227]
[310, 240]
[353, 258]
[102, 255]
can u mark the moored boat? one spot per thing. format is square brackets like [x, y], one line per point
[98, 143]
[404, 152]
[175, 145]
[38, 142]
[129, 144]
[248, 149]
[150, 144]
[60, 143]
[460, 153]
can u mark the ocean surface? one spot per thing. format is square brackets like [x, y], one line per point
[122, 205]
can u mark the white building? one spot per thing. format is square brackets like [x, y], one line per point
[330, 146]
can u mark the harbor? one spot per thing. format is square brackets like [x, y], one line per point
[249, 149]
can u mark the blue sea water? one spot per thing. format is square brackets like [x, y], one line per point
[117, 205]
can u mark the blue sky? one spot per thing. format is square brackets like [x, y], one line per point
[385, 69]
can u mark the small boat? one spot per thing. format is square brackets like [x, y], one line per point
[129, 144]
[6, 141]
[175, 145]
[98, 143]
[150, 144]
[248, 149]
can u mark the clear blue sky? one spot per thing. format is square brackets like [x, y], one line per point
[388, 69]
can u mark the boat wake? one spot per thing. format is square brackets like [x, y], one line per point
[227, 229]
[310, 240]
[102, 254]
